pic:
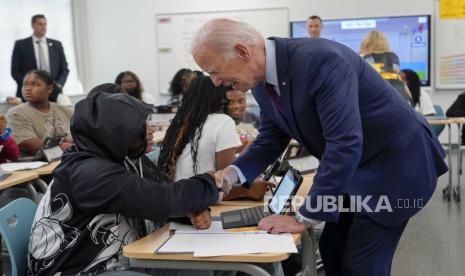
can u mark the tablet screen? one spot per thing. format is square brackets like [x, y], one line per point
[283, 192]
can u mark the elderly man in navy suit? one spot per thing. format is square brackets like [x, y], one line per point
[373, 148]
[38, 52]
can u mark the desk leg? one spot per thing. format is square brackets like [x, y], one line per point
[35, 196]
[309, 253]
[200, 265]
[448, 189]
[456, 190]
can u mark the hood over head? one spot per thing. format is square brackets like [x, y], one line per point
[107, 124]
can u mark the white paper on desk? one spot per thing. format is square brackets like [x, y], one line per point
[210, 245]
[18, 166]
[178, 243]
[215, 228]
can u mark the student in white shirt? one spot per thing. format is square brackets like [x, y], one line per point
[202, 137]
[421, 100]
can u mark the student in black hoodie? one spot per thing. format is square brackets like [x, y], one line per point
[104, 190]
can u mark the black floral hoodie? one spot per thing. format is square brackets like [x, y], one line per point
[99, 198]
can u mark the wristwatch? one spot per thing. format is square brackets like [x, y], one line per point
[299, 218]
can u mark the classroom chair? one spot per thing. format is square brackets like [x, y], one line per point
[15, 226]
[255, 109]
[439, 113]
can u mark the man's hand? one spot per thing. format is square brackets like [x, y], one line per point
[225, 178]
[258, 189]
[201, 220]
[276, 224]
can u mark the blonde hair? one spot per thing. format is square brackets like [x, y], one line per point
[375, 42]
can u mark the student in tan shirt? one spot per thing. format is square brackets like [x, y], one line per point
[38, 118]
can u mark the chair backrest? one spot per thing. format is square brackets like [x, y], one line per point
[255, 109]
[15, 226]
[154, 154]
[439, 113]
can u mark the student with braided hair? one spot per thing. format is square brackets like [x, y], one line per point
[203, 138]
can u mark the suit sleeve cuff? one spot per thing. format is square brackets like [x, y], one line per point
[241, 176]
[299, 216]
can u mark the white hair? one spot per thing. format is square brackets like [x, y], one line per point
[222, 34]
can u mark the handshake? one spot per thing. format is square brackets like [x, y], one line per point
[224, 180]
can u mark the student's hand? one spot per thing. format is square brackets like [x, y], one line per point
[65, 145]
[219, 185]
[220, 193]
[246, 139]
[258, 189]
[245, 144]
[13, 100]
[276, 224]
[201, 220]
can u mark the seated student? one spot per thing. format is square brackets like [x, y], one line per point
[179, 85]
[9, 150]
[237, 106]
[111, 88]
[202, 138]
[38, 118]
[457, 109]
[421, 100]
[246, 123]
[57, 96]
[375, 50]
[104, 189]
[131, 84]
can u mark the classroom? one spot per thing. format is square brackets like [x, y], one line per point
[258, 137]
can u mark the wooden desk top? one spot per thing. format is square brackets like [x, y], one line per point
[46, 170]
[145, 247]
[303, 192]
[446, 121]
[17, 178]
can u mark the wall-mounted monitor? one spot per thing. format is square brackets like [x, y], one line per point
[409, 37]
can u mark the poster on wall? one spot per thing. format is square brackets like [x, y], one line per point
[452, 9]
[450, 44]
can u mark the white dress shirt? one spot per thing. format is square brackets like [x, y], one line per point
[45, 46]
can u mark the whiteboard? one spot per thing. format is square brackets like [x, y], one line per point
[449, 52]
[174, 34]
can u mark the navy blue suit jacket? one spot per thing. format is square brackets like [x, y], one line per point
[368, 139]
[23, 60]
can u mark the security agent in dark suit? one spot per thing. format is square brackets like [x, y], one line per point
[38, 52]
